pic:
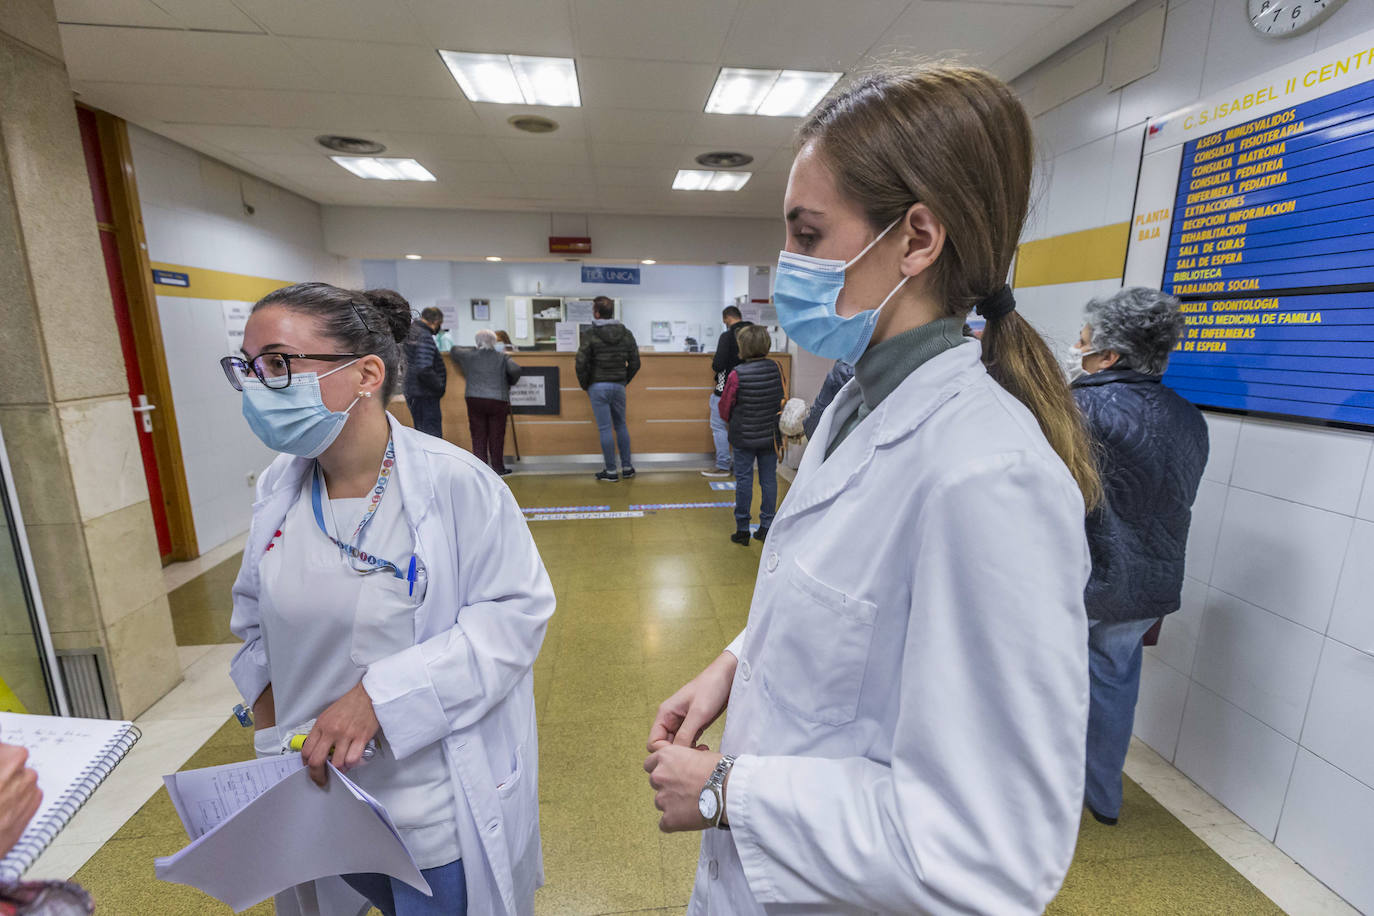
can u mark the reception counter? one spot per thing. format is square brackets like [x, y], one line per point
[666, 413]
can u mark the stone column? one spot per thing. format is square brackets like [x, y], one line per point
[64, 403]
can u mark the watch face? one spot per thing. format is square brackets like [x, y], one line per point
[707, 804]
[1282, 18]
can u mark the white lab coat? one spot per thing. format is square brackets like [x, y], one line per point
[467, 680]
[911, 699]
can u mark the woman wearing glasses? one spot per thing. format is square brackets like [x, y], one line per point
[391, 604]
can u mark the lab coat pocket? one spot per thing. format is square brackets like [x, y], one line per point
[816, 651]
[267, 742]
[384, 619]
[518, 795]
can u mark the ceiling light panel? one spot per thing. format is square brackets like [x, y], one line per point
[384, 169]
[514, 79]
[699, 180]
[773, 93]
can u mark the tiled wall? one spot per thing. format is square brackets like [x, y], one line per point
[193, 213]
[1262, 686]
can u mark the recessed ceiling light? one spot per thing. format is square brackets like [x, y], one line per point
[648, 261]
[384, 169]
[724, 160]
[412, 257]
[352, 146]
[492, 257]
[512, 79]
[699, 180]
[775, 93]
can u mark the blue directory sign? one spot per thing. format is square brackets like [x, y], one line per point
[610, 275]
[1271, 250]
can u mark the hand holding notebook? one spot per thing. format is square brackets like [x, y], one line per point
[71, 757]
[19, 794]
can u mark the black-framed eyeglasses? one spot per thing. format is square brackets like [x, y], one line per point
[272, 369]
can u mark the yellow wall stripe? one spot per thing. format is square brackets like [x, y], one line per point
[1076, 257]
[216, 284]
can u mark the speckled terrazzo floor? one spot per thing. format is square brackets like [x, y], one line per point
[644, 603]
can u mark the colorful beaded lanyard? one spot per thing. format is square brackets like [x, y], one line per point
[352, 552]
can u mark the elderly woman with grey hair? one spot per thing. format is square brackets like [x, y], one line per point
[489, 373]
[1152, 447]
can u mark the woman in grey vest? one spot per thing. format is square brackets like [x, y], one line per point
[750, 405]
[489, 374]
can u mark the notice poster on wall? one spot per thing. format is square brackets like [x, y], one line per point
[235, 320]
[566, 336]
[1256, 209]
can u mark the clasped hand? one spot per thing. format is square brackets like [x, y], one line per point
[678, 764]
[344, 729]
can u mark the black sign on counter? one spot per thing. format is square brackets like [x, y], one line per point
[536, 392]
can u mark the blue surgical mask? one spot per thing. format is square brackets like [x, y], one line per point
[804, 293]
[294, 419]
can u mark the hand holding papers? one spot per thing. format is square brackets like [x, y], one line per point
[262, 826]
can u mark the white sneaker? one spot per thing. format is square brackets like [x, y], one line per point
[717, 472]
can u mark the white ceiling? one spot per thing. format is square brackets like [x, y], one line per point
[252, 82]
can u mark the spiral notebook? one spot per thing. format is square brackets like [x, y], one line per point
[72, 758]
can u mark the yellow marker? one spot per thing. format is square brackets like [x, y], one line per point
[297, 742]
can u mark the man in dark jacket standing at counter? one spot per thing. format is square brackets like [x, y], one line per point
[1153, 447]
[722, 364]
[425, 377]
[606, 362]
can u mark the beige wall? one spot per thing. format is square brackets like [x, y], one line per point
[64, 406]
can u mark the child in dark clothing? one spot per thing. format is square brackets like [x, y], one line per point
[750, 405]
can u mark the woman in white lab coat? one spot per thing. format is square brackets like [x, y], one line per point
[390, 593]
[908, 702]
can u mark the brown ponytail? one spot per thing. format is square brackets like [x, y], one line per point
[957, 140]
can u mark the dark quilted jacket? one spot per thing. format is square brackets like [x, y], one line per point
[608, 354]
[754, 418]
[425, 373]
[1153, 446]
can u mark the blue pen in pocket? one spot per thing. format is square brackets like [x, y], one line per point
[410, 576]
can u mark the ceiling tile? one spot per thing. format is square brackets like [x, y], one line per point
[358, 20]
[977, 33]
[536, 27]
[653, 29]
[632, 155]
[808, 34]
[649, 84]
[209, 14]
[780, 161]
[634, 178]
[495, 121]
[184, 58]
[686, 157]
[719, 131]
[372, 67]
[560, 152]
[114, 12]
[543, 172]
[458, 147]
[629, 125]
[237, 139]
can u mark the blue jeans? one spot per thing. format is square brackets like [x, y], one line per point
[1114, 651]
[396, 898]
[720, 434]
[744, 485]
[608, 406]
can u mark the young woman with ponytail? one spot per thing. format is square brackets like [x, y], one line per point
[909, 699]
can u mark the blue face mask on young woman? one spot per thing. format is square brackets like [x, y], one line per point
[805, 291]
[294, 419]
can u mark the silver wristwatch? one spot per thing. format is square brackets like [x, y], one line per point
[711, 803]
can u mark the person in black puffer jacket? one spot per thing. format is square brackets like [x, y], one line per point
[751, 403]
[1152, 449]
[426, 377]
[606, 362]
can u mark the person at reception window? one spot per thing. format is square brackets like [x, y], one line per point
[488, 373]
[1153, 447]
[426, 377]
[607, 362]
[909, 698]
[433, 317]
[390, 595]
[722, 364]
[750, 406]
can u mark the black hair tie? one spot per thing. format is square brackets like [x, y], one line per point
[999, 305]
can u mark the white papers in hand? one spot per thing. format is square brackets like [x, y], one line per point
[292, 832]
[205, 798]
